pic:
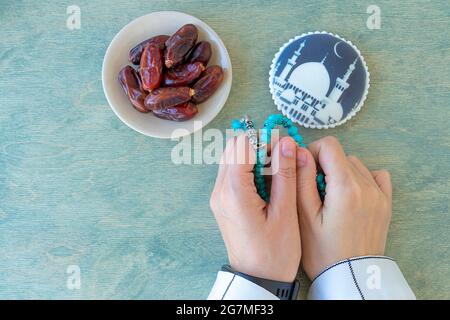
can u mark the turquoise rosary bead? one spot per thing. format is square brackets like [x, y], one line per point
[264, 139]
[292, 131]
[236, 124]
[321, 185]
[298, 138]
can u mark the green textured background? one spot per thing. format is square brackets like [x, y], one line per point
[79, 187]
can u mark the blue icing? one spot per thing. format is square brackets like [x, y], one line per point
[319, 79]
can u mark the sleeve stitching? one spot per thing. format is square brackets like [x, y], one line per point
[354, 280]
[345, 261]
[228, 287]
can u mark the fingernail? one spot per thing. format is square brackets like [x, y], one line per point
[288, 149]
[302, 159]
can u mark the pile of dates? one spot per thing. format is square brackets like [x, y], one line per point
[172, 77]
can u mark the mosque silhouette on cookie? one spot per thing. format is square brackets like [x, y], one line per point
[302, 92]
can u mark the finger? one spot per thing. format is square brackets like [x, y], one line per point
[328, 152]
[239, 186]
[360, 167]
[308, 198]
[268, 151]
[383, 180]
[274, 140]
[242, 157]
[221, 174]
[283, 190]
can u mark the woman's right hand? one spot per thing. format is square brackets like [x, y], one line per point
[355, 215]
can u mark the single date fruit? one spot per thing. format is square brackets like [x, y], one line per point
[181, 112]
[201, 53]
[208, 83]
[135, 54]
[182, 75]
[168, 97]
[131, 84]
[179, 45]
[151, 67]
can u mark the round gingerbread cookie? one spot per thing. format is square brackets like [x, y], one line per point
[319, 80]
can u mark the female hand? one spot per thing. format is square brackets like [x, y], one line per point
[355, 216]
[262, 240]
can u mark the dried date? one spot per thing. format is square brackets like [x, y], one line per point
[201, 53]
[179, 45]
[181, 112]
[168, 97]
[182, 75]
[131, 84]
[135, 54]
[208, 83]
[151, 67]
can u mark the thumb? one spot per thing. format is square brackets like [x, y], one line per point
[283, 193]
[308, 199]
[239, 181]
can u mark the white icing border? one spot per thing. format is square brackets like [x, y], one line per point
[354, 110]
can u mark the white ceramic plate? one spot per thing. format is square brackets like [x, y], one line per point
[116, 57]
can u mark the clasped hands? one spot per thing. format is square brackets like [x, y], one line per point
[270, 240]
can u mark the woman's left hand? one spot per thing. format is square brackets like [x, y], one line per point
[262, 240]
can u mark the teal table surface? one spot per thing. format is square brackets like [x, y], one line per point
[79, 188]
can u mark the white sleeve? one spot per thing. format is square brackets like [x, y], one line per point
[361, 278]
[229, 286]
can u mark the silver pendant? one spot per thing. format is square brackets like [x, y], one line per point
[252, 134]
